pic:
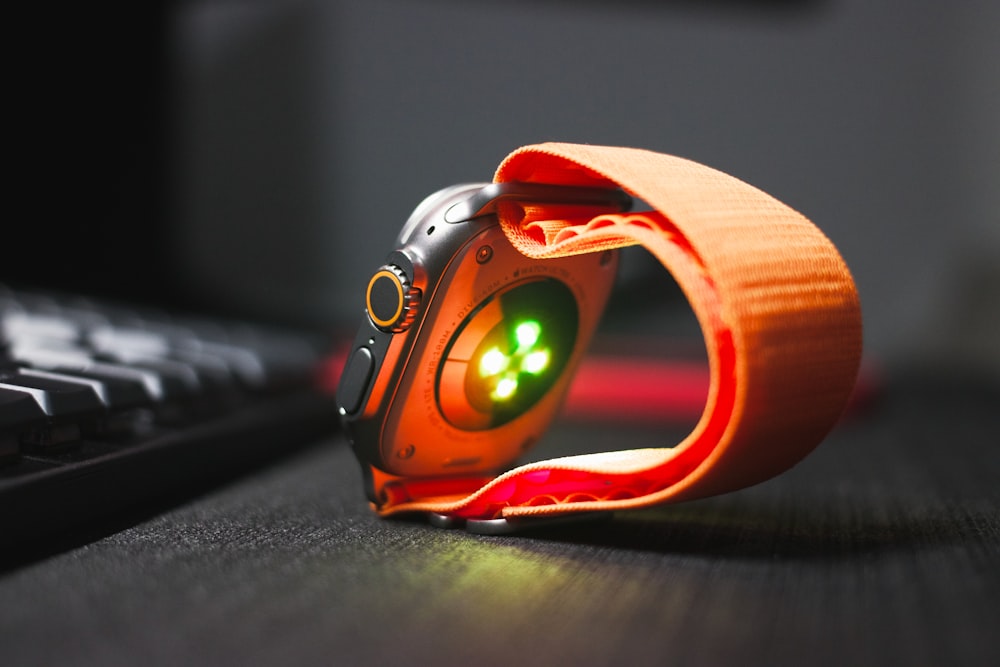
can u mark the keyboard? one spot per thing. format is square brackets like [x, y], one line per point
[107, 411]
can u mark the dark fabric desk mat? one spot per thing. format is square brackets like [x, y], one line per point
[882, 548]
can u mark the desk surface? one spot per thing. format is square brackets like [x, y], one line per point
[883, 547]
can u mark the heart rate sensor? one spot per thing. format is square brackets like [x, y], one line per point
[507, 354]
[478, 319]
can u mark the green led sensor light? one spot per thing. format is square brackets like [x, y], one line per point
[527, 334]
[504, 370]
[493, 362]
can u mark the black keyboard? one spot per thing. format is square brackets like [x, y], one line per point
[106, 411]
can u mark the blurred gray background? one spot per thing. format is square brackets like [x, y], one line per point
[304, 132]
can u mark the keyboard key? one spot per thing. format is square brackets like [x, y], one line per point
[19, 325]
[56, 398]
[115, 392]
[159, 386]
[19, 412]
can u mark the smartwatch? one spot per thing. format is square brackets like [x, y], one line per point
[482, 311]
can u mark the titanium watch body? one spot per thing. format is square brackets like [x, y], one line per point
[467, 347]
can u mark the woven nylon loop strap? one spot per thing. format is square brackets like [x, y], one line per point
[775, 301]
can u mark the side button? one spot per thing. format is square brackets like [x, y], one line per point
[354, 381]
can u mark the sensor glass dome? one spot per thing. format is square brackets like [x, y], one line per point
[507, 354]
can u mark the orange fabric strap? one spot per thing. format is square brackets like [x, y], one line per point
[776, 303]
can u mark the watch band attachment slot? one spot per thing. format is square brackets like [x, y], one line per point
[484, 201]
